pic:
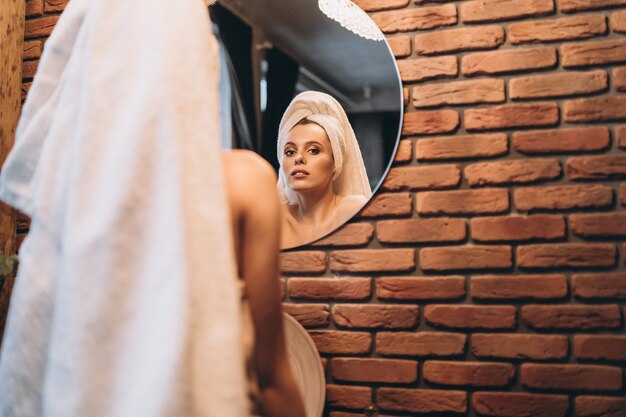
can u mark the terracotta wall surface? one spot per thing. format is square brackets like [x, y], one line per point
[488, 275]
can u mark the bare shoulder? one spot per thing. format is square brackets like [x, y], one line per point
[352, 203]
[349, 205]
[248, 166]
[250, 179]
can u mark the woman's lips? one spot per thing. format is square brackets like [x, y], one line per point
[299, 173]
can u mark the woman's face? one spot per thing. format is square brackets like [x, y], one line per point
[308, 162]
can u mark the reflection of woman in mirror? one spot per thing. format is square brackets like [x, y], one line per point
[322, 178]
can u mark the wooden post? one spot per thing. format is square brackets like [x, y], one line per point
[12, 21]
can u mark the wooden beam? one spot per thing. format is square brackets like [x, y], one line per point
[12, 20]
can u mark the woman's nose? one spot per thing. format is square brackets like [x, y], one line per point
[300, 159]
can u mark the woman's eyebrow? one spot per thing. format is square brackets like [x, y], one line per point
[310, 142]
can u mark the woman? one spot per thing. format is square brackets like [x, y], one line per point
[255, 222]
[322, 179]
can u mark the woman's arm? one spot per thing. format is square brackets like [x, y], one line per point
[260, 246]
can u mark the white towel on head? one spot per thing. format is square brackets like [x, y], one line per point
[324, 110]
[126, 300]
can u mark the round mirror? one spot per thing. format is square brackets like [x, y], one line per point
[313, 87]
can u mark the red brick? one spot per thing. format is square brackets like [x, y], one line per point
[282, 282]
[55, 5]
[395, 371]
[517, 404]
[513, 171]
[420, 344]
[486, 90]
[618, 22]
[599, 225]
[571, 377]
[32, 49]
[422, 69]
[430, 122]
[352, 234]
[474, 374]
[517, 228]
[23, 221]
[595, 109]
[465, 257]
[556, 85]
[512, 115]
[519, 346]
[41, 27]
[455, 40]
[597, 167]
[564, 255]
[29, 69]
[462, 147]
[330, 288]
[563, 197]
[619, 81]
[404, 152]
[421, 230]
[309, 315]
[303, 262]
[485, 201]
[579, 5]
[376, 5]
[426, 177]
[373, 260]
[513, 287]
[567, 28]
[471, 316]
[562, 140]
[405, 96]
[383, 316]
[495, 10]
[588, 406]
[348, 397]
[400, 45]
[333, 342]
[601, 285]
[420, 288]
[416, 18]
[593, 53]
[396, 204]
[34, 8]
[600, 347]
[508, 60]
[422, 400]
[571, 317]
[25, 89]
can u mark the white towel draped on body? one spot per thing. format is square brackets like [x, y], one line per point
[126, 302]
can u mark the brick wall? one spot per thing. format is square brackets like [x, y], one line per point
[487, 277]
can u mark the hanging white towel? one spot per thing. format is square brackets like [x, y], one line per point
[126, 302]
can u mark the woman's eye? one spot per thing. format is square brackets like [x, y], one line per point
[289, 152]
[314, 151]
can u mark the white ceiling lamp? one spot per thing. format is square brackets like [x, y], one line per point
[351, 17]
